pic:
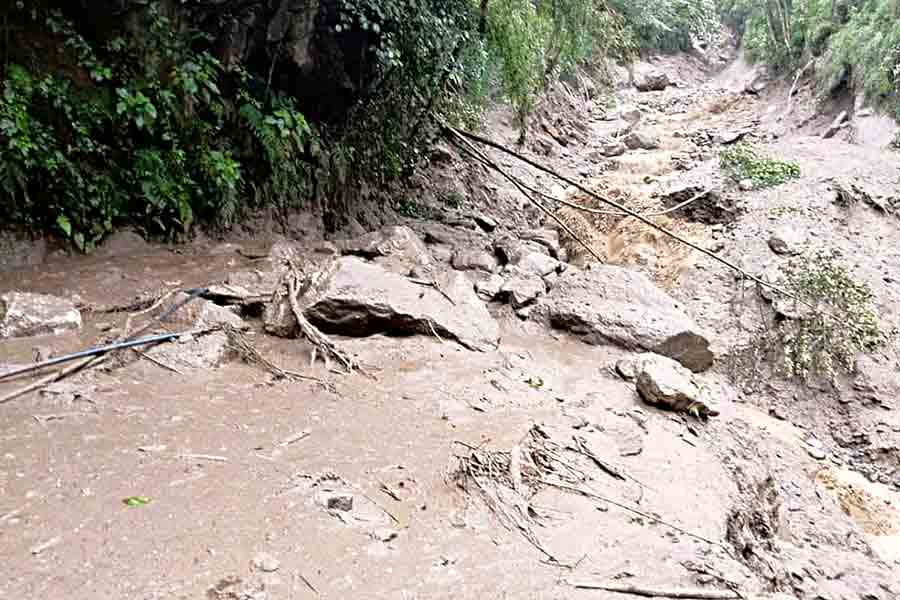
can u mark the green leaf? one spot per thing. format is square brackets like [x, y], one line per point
[136, 501]
[62, 221]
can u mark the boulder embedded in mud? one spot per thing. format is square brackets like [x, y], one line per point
[397, 249]
[637, 140]
[664, 383]
[651, 80]
[787, 241]
[361, 299]
[613, 305]
[611, 148]
[24, 314]
[474, 260]
[703, 192]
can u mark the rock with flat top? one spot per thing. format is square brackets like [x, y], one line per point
[474, 260]
[360, 298]
[612, 305]
[396, 248]
[523, 288]
[25, 314]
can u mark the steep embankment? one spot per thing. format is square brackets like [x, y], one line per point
[425, 476]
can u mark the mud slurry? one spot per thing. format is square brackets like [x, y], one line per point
[346, 488]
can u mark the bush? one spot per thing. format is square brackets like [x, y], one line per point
[743, 161]
[838, 325]
[670, 25]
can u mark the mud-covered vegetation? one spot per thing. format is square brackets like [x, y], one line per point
[856, 41]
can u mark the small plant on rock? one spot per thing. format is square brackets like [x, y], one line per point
[836, 321]
[744, 161]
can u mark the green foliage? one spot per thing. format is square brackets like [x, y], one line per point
[869, 45]
[669, 25]
[744, 161]
[143, 138]
[840, 324]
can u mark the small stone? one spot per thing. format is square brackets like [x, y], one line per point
[817, 452]
[339, 501]
[538, 263]
[626, 368]
[523, 289]
[384, 534]
[745, 185]
[486, 223]
[266, 563]
[640, 141]
[612, 148]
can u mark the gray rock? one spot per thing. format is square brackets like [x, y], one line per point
[205, 351]
[25, 314]
[663, 382]
[339, 501]
[397, 249]
[361, 299]
[489, 288]
[548, 238]
[637, 140]
[745, 185]
[474, 260]
[612, 305]
[523, 289]
[537, 263]
[787, 241]
[651, 80]
[610, 148]
[486, 222]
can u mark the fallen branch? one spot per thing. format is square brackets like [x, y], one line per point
[240, 344]
[633, 590]
[319, 340]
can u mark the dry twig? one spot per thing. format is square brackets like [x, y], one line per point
[633, 590]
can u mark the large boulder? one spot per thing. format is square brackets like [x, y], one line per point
[24, 314]
[650, 80]
[361, 298]
[613, 305]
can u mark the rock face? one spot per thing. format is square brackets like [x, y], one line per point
[361, 299]
[24, 314]
[612, 305]
[663, 382]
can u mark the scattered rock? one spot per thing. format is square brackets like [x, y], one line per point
[787, 241]
[730, 136]
[664, 383]
[745, 185]
[489, 288]
[486, 222]
[637, 140]
[608, 304]
[361, 299]
[548, 238]
[25, 314]
[474, 260]
[266, 563]
[836, 125]
[627, 368]
[650, 80]
[538, 263]
[523, 289]
[204, 351]
[610, 148]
